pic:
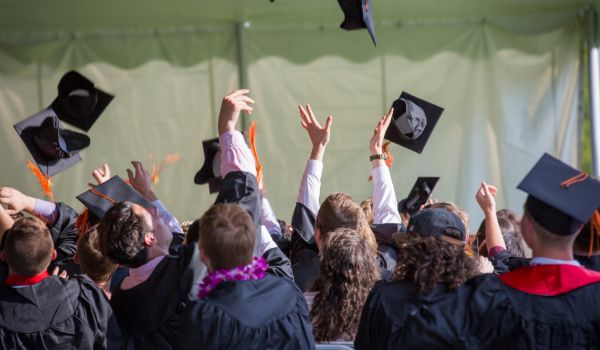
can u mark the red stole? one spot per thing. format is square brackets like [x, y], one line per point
[549, 280]
[16, 280]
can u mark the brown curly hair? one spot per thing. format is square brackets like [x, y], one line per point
[427, 261]
[348, 272]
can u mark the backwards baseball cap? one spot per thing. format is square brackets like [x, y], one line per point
[561, 199]
[79, 102]
[438, 223]
[53, 148]
[358, 14]
[418, 196]
[412, 122]
[210, 173]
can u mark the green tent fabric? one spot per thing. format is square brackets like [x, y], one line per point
[508, 72]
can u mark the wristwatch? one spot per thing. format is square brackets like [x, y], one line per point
[381, 156]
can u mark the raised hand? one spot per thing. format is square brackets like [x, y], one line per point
[231, 106]
[319, 135]
[376, 144]
[101, 175]
[141, 181]
[486, 198]
[15, 201]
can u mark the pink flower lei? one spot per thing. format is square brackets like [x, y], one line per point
[255, 270]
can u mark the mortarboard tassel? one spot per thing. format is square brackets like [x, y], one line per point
[390, 158]
[45, 181]
[252, 138]
[82, 222]
[594, 231]
[157, 167]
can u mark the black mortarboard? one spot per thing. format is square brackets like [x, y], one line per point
[102, 197]
[413, 122]
[53, 148]
[210, 173]
[418, 196]
[358, 14]
[79, 102]
[561, 198]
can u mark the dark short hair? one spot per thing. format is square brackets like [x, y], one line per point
[28, 246]
[227, 235]
[92, 262]
[122, 234]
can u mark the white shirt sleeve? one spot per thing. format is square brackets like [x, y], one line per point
[385, 205]
[235, 154]
[266, 241]
[268, 218]
[167, 218]
[310, 186]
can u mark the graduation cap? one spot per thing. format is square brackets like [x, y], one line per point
[210, 173]
[79, 102]
[418, 196]
[101, 198]
[561, 199]
[53, 148]
[358, 14]
[413, 122]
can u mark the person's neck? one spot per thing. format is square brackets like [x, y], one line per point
[105, 286]
[553, 253]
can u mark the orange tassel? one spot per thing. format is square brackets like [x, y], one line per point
[45, 181]
[252, 138]
[157, 167]
[82, 222]
[594, 230]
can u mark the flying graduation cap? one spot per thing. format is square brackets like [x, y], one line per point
[53, 148]
[358, 14]
[412, 122]
[418, 196]
[79, 102]
[210, 173]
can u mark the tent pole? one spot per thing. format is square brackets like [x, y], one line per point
[594, 86]
[241, 62]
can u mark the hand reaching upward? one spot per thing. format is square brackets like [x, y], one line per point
[231, 106]
[319, 135]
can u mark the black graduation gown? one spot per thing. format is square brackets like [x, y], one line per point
[591, 262]
[270, 313]
[149, 314]
[544, 309]
[505, 261]
[54, 313]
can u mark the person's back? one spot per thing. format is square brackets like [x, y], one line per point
[241, 306]
[38, 311]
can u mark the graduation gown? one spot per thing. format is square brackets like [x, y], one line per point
[54, 313]
[537, 307]
[270, 313]
[505, 261]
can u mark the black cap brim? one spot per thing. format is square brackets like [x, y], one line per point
[48, 166]
[577, 201]
[356, 16]
[432, 113]
[102, 197]
[206, 174]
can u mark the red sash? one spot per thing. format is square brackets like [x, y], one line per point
[16, 280]
[550, 280]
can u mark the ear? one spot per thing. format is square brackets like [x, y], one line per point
[76, 258]
[54, 255]
[149, 239]
[205, 260]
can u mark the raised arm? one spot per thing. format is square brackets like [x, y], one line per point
[6, 221]
[385, 205]
[310, 185]
[17, 202]
[493, 234]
